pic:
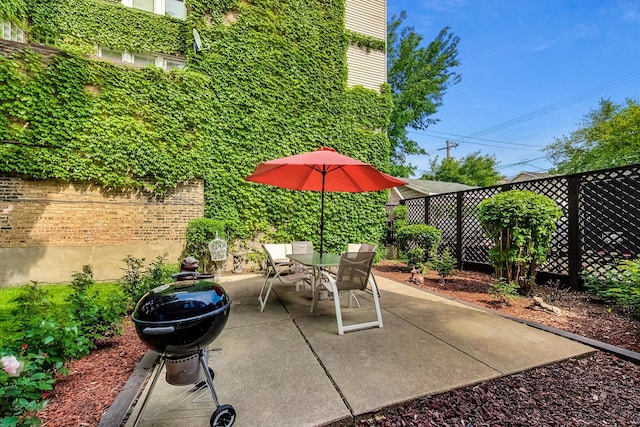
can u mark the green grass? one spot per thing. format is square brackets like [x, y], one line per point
[58, 293]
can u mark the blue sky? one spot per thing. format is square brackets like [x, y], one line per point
[520, 58]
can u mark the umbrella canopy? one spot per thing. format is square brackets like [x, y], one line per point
[322, 170]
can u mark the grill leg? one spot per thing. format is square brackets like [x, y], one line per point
[204, 363]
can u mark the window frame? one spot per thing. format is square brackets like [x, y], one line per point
[130, 59]
[159, 7]
[14, 32]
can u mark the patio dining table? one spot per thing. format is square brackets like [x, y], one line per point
[317, 263]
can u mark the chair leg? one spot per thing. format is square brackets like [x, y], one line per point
[372, 282]
[358, 326]
[376, 302]
[336, 301]
[352, 297]
[263, 301]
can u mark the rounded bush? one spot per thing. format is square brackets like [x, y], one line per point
[414, 236]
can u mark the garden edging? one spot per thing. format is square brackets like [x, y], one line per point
[115, 415]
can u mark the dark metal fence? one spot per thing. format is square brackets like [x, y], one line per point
[600, 225]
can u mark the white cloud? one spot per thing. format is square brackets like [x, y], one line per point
[542, 46]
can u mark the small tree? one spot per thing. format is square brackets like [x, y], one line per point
[418, 236]
[521, 223]
[443, 265]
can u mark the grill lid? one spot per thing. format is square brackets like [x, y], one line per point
[181, 301]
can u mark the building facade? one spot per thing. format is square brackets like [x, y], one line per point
[64, 214]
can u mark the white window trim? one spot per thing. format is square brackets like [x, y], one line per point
[129, 58]
[159, 6]
[20, 36]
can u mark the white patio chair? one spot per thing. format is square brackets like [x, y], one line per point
[364, 247]
[353, 274]
[302, 247]
[278, 253]
[283, 272]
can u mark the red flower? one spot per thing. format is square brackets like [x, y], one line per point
[44, 355]
[45, 395]
[24, 346]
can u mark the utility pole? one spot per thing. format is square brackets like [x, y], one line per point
[450, 145]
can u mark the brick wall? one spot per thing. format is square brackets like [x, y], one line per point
[43, 223]
[37, 213]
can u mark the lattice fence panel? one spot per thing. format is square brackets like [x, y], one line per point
[609, 206]
[475, 246]
[416, 208]
[558, 190]
[442, 215]
[608, 219]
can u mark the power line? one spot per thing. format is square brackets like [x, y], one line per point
[470, 137]
[524, 162]
[561, 104]
[479, 143]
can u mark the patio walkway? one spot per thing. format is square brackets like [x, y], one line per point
[289, 367]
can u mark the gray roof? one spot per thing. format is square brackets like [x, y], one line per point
[423, 187]
[527, 176]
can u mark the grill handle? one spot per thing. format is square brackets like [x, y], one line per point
[159, 331]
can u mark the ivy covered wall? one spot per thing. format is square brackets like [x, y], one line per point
[271, 84]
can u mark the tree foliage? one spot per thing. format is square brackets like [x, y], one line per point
[474, 169]
[609, 137]
[521, 224]
[419, 77]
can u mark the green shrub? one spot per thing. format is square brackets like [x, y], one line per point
[521, 224]
[503, 291]
[96, 319]
[24, 393]
[619, 284]
[443, 265]
[418, 236]
[138, 280]
[416, 256]
[400, 215]
[50, 325]
[133, 283]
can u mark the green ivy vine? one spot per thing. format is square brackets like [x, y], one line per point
[79, 25]
[271, 84]
[366, 42]
[13, 10]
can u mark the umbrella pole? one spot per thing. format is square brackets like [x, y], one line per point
[324, 172]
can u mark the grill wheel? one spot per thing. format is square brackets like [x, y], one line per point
[224, 416]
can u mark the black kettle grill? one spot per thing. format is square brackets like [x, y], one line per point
[180, 320]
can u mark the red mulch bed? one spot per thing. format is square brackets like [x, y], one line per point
[582, 314]
[597, 390]
[81, 397]
[600, 389]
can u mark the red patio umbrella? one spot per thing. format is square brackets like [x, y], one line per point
[322, 170]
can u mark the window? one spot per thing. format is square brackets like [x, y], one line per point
[110, 55]
[11, 31]
[143, 60]
[147, 5]
[175, 8]
[170, 64]
[139, 59]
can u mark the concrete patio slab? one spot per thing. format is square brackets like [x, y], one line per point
[289, 367]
